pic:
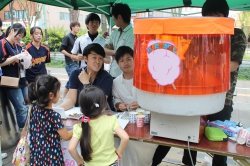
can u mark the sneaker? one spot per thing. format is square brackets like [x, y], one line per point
[4, 155]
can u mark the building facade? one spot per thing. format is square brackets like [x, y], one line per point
[47, 16]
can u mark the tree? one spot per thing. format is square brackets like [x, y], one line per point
[73, 14]
[103, 23]
[11, 13]
[31, 12]
[244, 18]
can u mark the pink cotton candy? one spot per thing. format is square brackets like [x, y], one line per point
[163, 64]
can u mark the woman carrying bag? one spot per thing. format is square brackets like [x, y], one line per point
[10, 56]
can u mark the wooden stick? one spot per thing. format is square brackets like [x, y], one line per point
[174, 86]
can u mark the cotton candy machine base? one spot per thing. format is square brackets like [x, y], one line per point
[183, 105]
[177, 127]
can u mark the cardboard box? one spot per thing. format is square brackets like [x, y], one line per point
[177, 127]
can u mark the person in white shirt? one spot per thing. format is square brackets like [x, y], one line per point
[123, 90]
[92, 22]
[125, 98]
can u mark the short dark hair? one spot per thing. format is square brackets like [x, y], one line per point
[92, 17]
[121, 51]
[73, 24]
[105, 34]
[32, 30]
[1, 23]
[123, 10]
[95, 47]
[17, 27]
[215, 6]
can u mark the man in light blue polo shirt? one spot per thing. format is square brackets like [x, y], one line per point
[123, 36]
[92, 22]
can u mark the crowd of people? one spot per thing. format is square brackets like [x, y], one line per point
[90, 87]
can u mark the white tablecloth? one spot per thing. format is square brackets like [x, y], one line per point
[137, 153]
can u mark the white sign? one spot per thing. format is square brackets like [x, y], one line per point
[68, 160]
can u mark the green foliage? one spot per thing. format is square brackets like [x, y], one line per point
[246, 57]
[27, 38]
[56, 63]
[244, 18]
[55, 36]
[244, 73]
[82, 32]
[100, 32]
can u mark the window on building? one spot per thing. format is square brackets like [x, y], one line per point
[17, 14]
[150, 14]
[64, 16]
[80, 18]
[20, 14]
[7, 15]
[133, 14]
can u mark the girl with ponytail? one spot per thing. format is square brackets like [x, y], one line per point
[46, 127]
[95, 132]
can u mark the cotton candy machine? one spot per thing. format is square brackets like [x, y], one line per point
[181, 71]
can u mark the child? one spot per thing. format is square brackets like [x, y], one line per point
[40, 55]
[46, 127]
[95, 132]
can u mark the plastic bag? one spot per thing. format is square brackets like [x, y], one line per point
[26, 61]
[21, 155]
[206, 162]
[223, 126]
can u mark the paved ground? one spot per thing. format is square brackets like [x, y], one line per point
[241, 114]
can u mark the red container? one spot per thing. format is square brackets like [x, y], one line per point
[192, 62]
[182, 56]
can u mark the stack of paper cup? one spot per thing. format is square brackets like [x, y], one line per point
[242, 136]
[132, 117]
[139, 111]
[147, 116]
[140, 120]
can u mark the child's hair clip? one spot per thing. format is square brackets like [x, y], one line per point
[96, 105]
[85, 119]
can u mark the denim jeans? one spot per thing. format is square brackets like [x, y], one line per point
[69, 68]
[16, 97]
